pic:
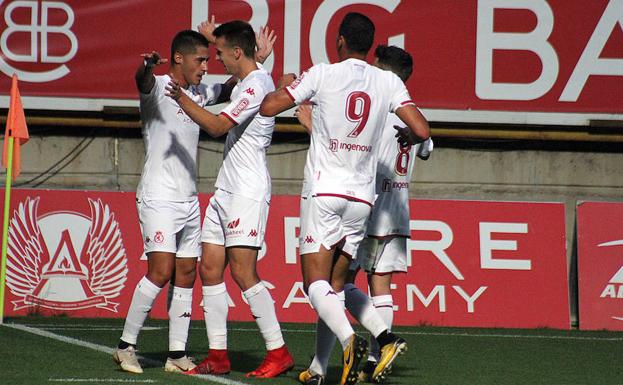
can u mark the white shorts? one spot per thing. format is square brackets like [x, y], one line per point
[234, 220]
[331, 221]
[387, 255]
[172, 227]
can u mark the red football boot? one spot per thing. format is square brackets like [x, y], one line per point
[277, 361]
[217, 362]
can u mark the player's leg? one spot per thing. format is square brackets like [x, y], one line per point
[392, 258]
[321, 230]
[242, 249]
[180, 306]
[214, 292]
[160, 248]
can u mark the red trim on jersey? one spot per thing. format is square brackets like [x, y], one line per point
[345, 197]
[230, 118]
[289, 94]
[407, 102]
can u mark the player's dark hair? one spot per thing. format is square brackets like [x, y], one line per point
[238, 33]
[396, 60]
[187, 41]
[358, 31]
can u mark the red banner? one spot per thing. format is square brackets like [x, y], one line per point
[474, 55]
[488, 264]
[600, 265]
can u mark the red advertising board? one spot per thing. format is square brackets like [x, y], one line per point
[489, 264]
[556, 56]
[600, 265]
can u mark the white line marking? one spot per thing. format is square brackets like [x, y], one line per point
[311, 331]
[108, 350]
[120, 380]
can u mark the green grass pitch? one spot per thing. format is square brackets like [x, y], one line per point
[62, 350]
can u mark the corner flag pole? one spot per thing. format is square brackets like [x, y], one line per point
[5, 223]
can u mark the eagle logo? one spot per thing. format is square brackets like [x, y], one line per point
[65, 260]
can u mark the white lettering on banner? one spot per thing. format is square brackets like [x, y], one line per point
[610, 291]
[535, 41]
[260, 13]
[294, 297]
[35, 28]
[290, 225]
[487, 245]
[590, 63]
[440, 292]
[320, 22]
[436, 247]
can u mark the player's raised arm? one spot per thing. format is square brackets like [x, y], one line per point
[279, 100]
[144, 75]
[418, 129]
[214, 125]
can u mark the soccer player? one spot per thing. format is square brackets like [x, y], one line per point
[351, 100]
[383, 251]
[167, 203]
[235, 221]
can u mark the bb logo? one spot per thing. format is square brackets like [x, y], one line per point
[40, 38]
[158, 237]
[333, 145]
[65, 260]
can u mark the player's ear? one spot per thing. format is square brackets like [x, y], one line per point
[340, 42]
[177, 58]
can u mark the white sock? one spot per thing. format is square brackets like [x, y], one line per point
[143, 299]
[361, 307]
[179, 317]
[263, 310]
[330, 310]
[384, 305]
[325, 340]
[215, 309]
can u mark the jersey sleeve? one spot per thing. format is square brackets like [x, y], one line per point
[245, 105]
[400, 95]
[306, 85]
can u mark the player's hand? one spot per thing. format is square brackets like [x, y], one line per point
[405, 136]
[173, 89]
[265, 41]
[303, 114]
[206, 28]
[153, 59]
[286, 80]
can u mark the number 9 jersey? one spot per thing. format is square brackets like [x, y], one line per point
[352, 101]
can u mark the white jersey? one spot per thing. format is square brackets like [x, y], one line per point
[244, 170]
[390, 214]
[171, 138]
[352, 100]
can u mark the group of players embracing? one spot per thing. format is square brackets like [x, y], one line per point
[351, 217]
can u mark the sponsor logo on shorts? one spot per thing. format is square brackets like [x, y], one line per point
[185, 315]
[252, 233]
[240, 107]
[309, 239]
[233, 224]
[335, 146]
[158, 237]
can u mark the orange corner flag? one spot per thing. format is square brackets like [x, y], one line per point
[15, 128]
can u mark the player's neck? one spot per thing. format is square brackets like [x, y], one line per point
[246, 67]
[177, 74]
[345, 55]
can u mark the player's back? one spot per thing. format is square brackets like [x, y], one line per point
[352, 101]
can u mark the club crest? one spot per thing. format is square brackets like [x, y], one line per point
[65, 260]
